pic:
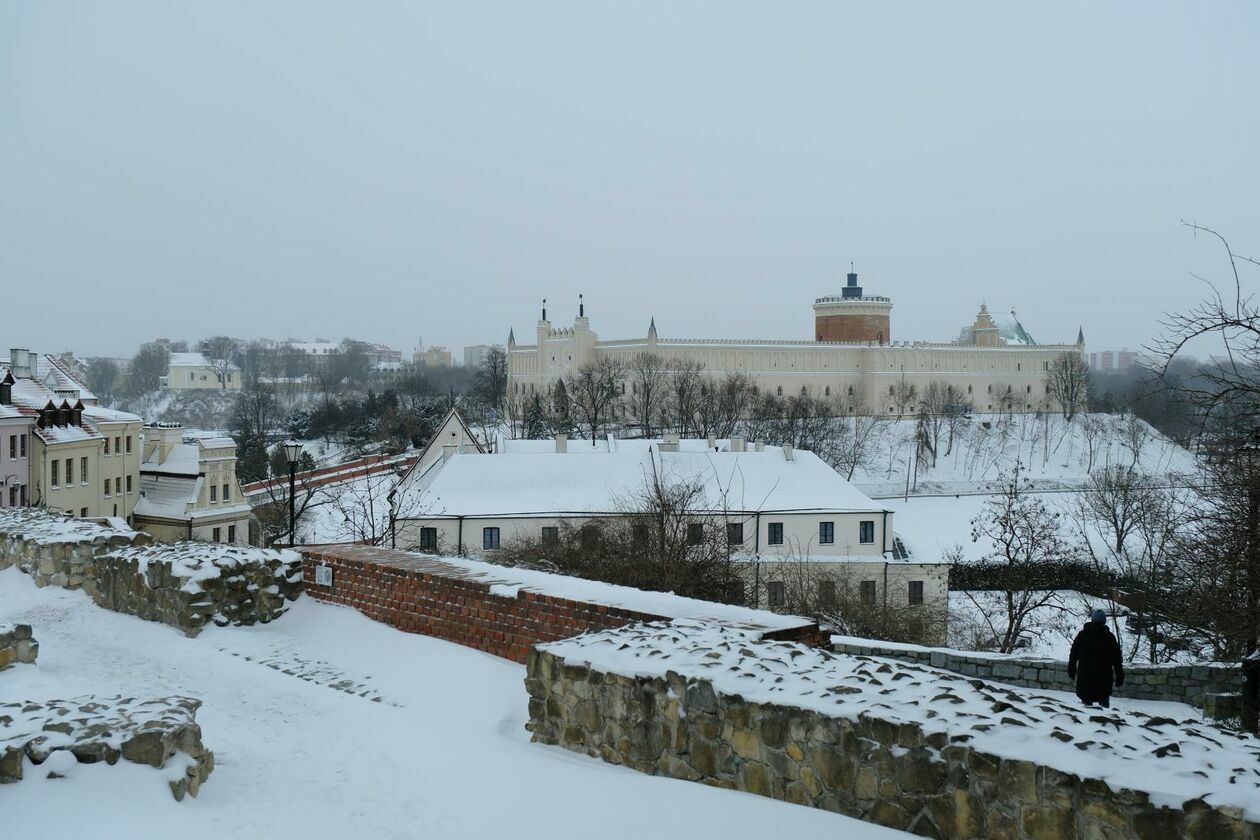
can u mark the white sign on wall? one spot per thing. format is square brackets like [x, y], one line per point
[323, 576]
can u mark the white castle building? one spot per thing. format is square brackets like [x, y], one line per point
[852, 358]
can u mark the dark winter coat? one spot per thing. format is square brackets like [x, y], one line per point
[1095, 656]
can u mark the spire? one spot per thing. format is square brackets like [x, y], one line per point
[581, 307]
[652, 328]
[511, 337]
[1080, 336]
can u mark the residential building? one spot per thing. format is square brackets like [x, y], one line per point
[434, 356]
[82, 458]
[15, 440]
[850, 359]
[776, 506]
[1106, 361]
[190, 371]
[475, 354]
[188, 488]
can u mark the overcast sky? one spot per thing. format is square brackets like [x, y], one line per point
[390, 170]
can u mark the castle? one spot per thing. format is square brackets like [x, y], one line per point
[852, 359]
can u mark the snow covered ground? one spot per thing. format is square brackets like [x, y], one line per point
[327, 725]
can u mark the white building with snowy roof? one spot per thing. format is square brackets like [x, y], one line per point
[777, 507]
[193, 371]
[188, 488]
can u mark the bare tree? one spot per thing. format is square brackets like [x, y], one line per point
[1067, 383]
[685, 381]
[221, 353]
[1025, 537]
[858, 443]
[649, 389]
[365, 510]
[1093, 428]
[1134, 435]
[595, 392]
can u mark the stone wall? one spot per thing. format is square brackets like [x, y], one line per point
[672, 713]
[501, 610]
[184, 584]
[16, 645]
[1175, 683]
[50, 738]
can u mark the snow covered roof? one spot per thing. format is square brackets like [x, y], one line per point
[517, 484]
[53, 377]
[167, 496]
[216, 442]
[182, 459]
[194, 360]
[1011, 330]
[109, 415]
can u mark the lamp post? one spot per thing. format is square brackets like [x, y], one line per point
[292, 453]
[393, 514]
[1249, 459]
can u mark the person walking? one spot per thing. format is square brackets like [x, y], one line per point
[1094, 658]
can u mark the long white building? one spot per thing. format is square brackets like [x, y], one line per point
[851, 358]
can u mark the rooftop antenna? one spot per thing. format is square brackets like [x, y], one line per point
[581, 306]
[544, 317]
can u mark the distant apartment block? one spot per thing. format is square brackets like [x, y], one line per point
[434, 356]
[475, 354]
[1112, 360]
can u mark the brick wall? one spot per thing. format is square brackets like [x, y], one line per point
[456, 601]
[852, 328]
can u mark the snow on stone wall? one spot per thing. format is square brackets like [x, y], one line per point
[1176, 683]
[17, 645]
[184, 584]
[50, 738]
[906, 746]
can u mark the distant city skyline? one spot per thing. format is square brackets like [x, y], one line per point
[403, 169]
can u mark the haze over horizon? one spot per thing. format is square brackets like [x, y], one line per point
[385, 172]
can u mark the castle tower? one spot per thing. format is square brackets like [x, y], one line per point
[852, 316]
[985, 331]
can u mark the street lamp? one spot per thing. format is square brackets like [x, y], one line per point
[292, 453]
[1249, 459]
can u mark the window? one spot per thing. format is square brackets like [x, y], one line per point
[107, 487]
[827, 593]
[83, 513]
[231, 533]
[775, 534]
[227, 494]
[775, 594]
[56, 471]
[22, 441]
[695, 533]
[69, 471]
[12, 446]
[867, 592]
[217, 533]
[866, 531]
[490, 538]
[106, 446]
[128, 444]
[916, 592]
[550, 535]
[428, 539]
[827, 391]
[83, 470]
[117, 445]
[735, 533]
[826, 533]
[129, 484]
[118, 485]
[778, 391]
[214, 492]
[13, 496]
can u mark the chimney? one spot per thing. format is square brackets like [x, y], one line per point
[737, 443]
[22, 362]
[449, 449]
[759, 446]
[712, 442]
[787, 452]
[670, 443]
[562, 444]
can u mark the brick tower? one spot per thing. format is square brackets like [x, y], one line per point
[852, 316]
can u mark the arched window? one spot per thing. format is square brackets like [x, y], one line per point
[779, 391]
[827, 391]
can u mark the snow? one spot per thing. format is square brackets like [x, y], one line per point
[1122, 747]
[374, 733]
[182, 458]
[51, 526]
[523, 484]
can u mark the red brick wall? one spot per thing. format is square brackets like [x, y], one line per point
[419, 595]
[852, 328]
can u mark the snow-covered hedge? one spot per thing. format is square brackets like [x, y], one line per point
[907, 746]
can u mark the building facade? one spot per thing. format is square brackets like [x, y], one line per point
[192, 371]
[851, 358]
[189, 489]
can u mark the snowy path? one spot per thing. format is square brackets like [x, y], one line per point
[374, 733]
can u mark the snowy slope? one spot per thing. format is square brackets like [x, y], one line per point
[376, 733]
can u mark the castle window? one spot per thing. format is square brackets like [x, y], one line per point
[827, 391]
[968, 389]
[779, 391]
